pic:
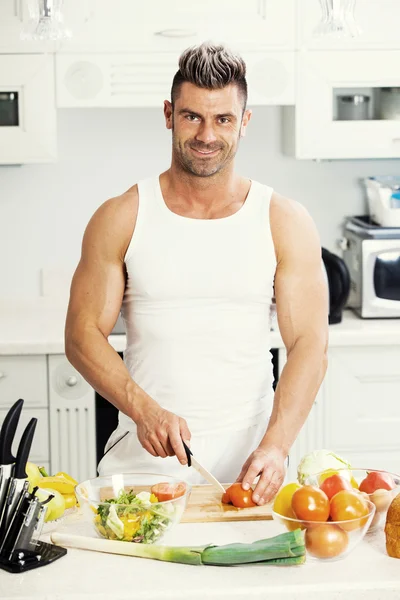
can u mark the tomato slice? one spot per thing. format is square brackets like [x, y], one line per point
[168, 491]
[239, 497]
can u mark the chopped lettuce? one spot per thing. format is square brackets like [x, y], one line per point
[133, 517]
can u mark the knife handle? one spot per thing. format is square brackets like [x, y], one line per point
[7, 432]
[23, 450]
[189, 453]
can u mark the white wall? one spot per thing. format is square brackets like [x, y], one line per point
[44, 208]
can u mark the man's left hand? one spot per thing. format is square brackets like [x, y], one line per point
[269, 463]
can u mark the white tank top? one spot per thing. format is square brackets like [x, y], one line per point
[197, 311]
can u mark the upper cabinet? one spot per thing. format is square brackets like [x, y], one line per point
[159, 26]
[378, 21]
[347, 106]
[27, 109]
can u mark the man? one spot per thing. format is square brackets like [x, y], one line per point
[193, 258]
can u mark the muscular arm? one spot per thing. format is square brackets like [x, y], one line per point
[95, 300]
[302, 310]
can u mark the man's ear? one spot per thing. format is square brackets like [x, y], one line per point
[168, 112]
[245, 121]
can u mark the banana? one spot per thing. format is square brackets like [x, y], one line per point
[70, 500]
[61, 484]
[66, 476]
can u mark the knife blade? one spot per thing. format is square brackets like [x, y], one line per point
[18, 482]
[193, 462]
[7, 460]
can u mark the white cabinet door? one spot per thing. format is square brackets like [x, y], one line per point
[159, 26]
[33, 139]
[362, 416]
[255, 24]
[312, 129]
[72, 420]
[378, 21]
[23, 377]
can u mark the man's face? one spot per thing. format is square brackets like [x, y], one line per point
[206, 127]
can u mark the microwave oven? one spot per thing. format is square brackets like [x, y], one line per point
[372, 256]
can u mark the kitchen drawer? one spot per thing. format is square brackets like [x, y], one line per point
[40, 446]
[23, 377]
[362, 404]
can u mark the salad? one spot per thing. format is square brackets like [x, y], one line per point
[133, 517]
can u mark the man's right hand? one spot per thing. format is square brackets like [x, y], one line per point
[161, 432]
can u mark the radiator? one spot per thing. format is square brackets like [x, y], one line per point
[72, 421]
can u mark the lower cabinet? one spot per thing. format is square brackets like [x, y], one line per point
[356, 413]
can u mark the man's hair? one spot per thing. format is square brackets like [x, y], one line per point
[211, 67]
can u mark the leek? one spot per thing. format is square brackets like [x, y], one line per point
[283, 549]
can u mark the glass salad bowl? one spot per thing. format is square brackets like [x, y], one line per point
[133, 507]
[380, 487]
[329, 540]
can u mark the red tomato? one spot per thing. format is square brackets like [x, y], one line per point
[377, 481]
[347, 505]
[326, 540]
[334, 484]
[238, 496]
[309, 503]
[226, 498]
[168, 491]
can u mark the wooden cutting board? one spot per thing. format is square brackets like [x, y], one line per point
[205, 506]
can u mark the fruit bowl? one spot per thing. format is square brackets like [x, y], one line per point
[329, 540]
[125, 507]
[380, 497]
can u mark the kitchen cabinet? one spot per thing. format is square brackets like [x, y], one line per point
[312, 129]
[157, 26]
[356, 410]
[29, 136]
[134, 80]
[26, 377]
[378, 22]
[58, 396]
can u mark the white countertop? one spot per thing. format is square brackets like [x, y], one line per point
[367, 573]
[38, 328]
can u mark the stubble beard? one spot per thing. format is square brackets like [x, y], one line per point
[201, 167]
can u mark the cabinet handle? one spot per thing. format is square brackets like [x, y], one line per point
[262, 9]
[176, 33]
[71, 381]
[2, 375]
[17, 9]
[396, 140]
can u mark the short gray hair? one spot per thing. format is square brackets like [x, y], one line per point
[210, 66]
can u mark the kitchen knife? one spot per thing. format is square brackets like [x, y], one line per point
[7, 459]
[192, 462]
[18, 483]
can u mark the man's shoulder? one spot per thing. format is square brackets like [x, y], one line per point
[290, 221]
[286, 212]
